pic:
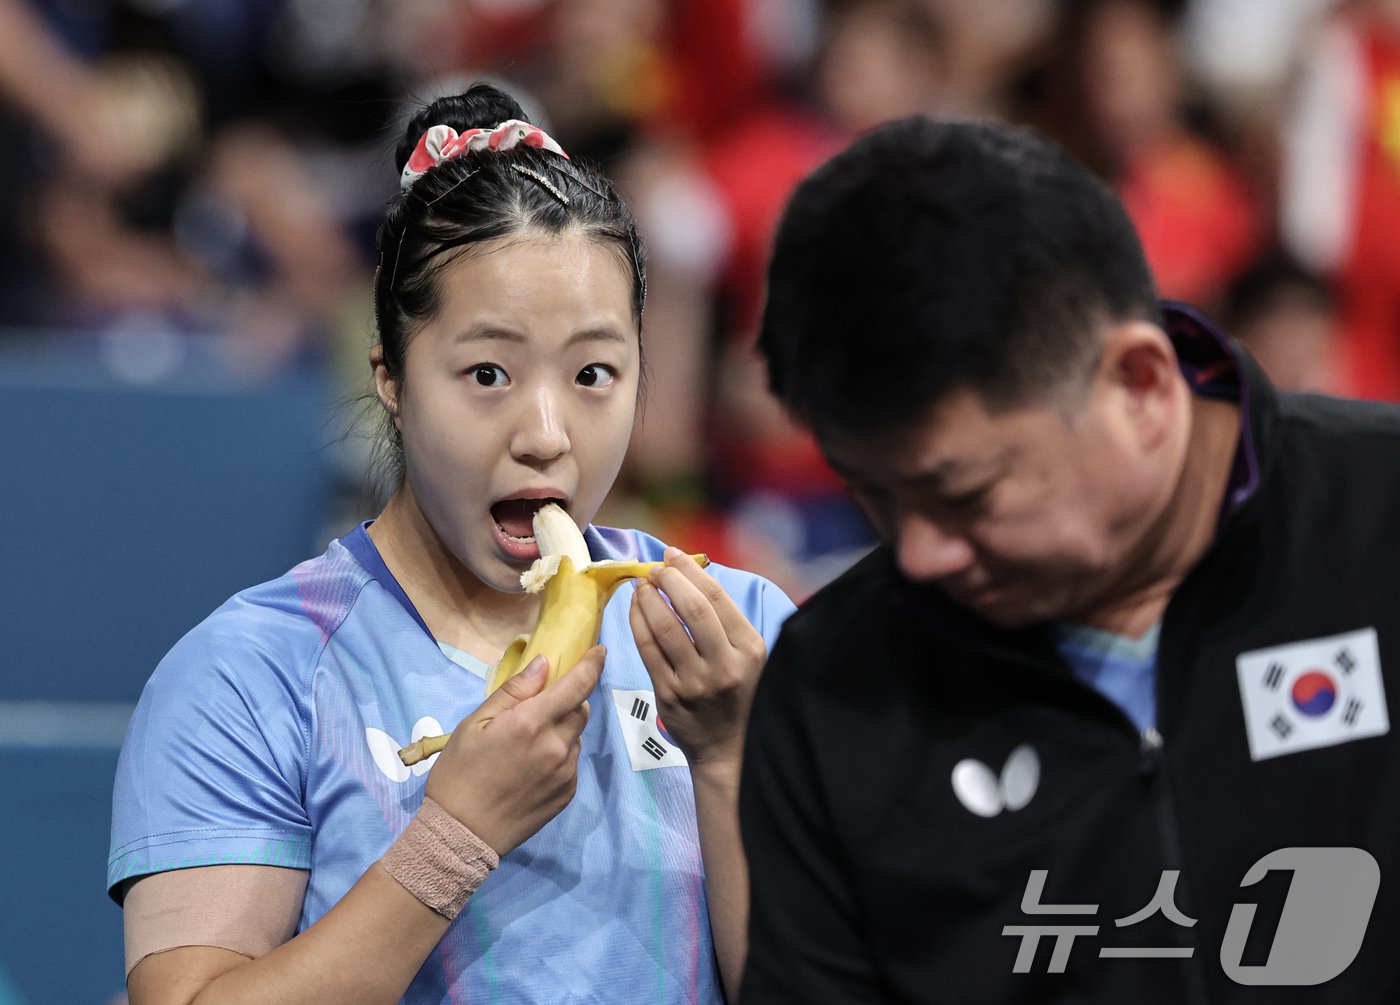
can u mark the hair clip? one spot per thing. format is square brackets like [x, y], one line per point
[548, 185]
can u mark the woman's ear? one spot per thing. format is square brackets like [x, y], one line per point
[386, 387]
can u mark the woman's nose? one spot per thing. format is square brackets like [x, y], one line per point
[541, 434]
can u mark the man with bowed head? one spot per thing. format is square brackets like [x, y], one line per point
[1127, 645]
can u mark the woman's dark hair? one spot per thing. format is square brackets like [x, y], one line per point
[479, 197]
[933, 256]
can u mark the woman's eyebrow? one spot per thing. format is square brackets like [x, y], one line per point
[605, 334]
[487, 332]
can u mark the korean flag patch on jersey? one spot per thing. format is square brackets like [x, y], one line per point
[1316, 693]
[647, 743]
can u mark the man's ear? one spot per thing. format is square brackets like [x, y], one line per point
[385, 386]
[1140, 366]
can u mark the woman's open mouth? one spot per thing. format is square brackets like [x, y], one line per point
[515, 525]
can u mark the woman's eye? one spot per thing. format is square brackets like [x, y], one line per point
[488, 375]
[596, 375]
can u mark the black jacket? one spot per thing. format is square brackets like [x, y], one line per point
[872, 881]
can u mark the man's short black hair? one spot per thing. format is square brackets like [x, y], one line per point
[933, 256]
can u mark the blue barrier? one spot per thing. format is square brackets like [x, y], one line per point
[135, 502]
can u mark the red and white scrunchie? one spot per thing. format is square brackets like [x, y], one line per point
[443, 143]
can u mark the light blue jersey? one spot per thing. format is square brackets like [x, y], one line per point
[268, 735]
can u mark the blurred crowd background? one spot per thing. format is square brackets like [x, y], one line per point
[189, 191]
[213, 170]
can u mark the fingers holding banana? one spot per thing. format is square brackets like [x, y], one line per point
[512, 765]
[703, 655]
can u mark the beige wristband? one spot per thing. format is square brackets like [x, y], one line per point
[438, 860]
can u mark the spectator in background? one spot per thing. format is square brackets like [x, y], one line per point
[107, 238]
[1285, 316]
[1242, 57]
[1341, 185]
[989, 47]
[222, 233]
[1244, 52]
[43, 78]
[1116, 95]
[178, 202]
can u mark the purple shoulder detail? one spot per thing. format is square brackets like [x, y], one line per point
[359, 547]
[326, 587]
[1212, 365]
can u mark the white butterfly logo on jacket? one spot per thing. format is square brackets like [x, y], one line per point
[385, 749]
[983, 793]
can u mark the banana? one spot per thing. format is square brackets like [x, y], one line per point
[575, 591]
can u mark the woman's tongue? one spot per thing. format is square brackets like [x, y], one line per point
[516, 516]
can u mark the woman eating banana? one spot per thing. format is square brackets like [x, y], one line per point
[270, 844]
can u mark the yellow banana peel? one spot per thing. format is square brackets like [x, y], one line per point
[575, 590]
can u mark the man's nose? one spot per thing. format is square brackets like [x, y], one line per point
[541, 434]
[927, 552]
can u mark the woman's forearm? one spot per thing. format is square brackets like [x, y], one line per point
[726, 871]
[365, 951]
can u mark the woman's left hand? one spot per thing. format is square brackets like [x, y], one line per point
[704, 658]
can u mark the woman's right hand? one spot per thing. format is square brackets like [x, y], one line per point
[512, 765]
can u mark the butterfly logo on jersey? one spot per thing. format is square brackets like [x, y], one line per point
[385, 750]
[1316, 693]
[983, 792]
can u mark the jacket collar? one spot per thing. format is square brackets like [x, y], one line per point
[1217, 367]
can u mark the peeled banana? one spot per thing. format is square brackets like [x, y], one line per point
[575, 591]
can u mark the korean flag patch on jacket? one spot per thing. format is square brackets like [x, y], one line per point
[648, 744]
[1316, 693]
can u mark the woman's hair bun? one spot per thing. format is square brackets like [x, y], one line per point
[481, 106]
